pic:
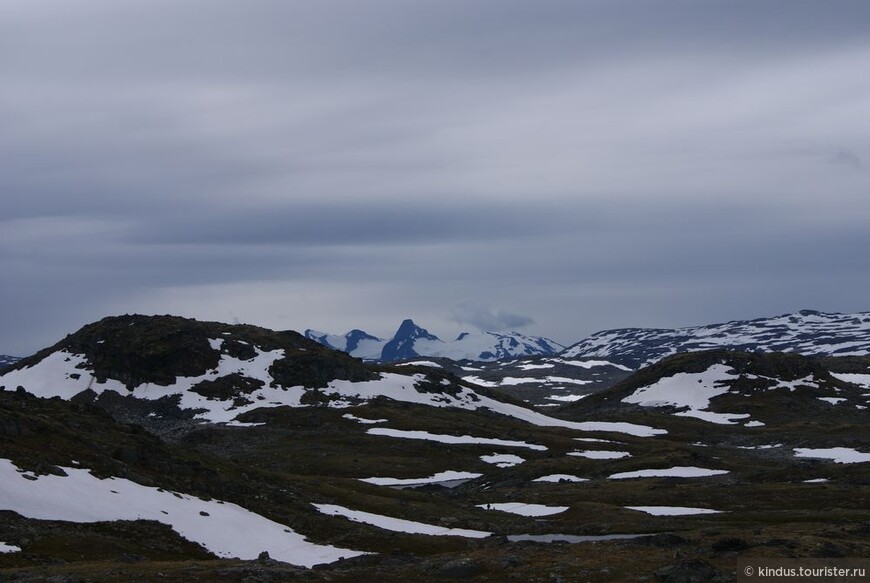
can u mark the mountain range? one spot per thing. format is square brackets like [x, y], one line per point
[807, 332]
[412, 341]
[163, 448]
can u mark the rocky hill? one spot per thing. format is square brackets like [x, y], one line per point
[807, 332]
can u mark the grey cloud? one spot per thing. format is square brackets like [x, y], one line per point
[487, 319]
[330, 165]
[846, 157]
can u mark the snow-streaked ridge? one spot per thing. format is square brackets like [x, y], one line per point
[63, 374]
[807, 332]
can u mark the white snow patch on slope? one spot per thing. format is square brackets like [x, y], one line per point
[673, 510]
[587, 364]
[862, 380]
[692, 391]
[446, 476]
[560, 478]
[452, 439]
[840, 455]
[503, 460]
[420, 363]
[674, 472]
[712, 417]
[397, 524]
[566, 398]
[6, 548]
[832, 400]
[600, 454]
[363, 420]
[227, 530]
[525, 509]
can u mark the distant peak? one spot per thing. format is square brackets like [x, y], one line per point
[409, 328]
[809, 312]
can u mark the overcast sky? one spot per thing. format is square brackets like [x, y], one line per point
[559, 167]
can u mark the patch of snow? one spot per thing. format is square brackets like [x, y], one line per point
[595, 363]
[793, 385]
[673, 510]
[7, 548]
[566, 398]
[447, 476]
[503, 460]
[674, 472]
[560, 478]
[225, 529]
[524, 509]
[421, 363]
[600, 454]
[769, 446]
[510, 381]
[840, 455]
[692, 391]
[552, 379]
[363, 420]
[452, 439]
[397, 524]
[862, 380]
[754, 424]
[535, 366]
[817, 481]
[718, 418]
[479, 381]
[832, 400]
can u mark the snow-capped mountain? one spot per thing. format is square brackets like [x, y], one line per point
[807, 332]
[412, 341]
[356, 342]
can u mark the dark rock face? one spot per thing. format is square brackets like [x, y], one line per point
[354, 337]
[402, 344]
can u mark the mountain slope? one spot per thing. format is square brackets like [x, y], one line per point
[806, 332]
[749, 390]
[412, 341]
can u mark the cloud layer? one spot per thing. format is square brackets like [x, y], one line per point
[338, 165]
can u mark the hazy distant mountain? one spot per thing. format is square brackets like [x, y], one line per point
[412, 341]
[6, 360]
[807, 332]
